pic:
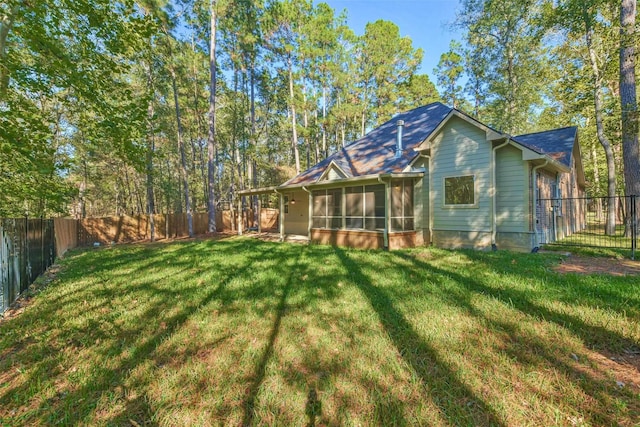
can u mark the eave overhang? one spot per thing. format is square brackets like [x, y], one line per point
[355, 180]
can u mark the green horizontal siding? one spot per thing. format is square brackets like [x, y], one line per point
[512, 203]
[461, 149]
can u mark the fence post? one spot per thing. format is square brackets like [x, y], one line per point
[27, 253]
[634, 226]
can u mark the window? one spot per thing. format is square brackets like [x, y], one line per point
[374, 205]
[460, 191]
[327, 208]
[286, 204]
[354, 210]
[365, 207]
[402, 205]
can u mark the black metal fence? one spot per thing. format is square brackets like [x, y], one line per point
[589, 221]
[27, 249]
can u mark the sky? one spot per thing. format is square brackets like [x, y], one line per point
[426, 22]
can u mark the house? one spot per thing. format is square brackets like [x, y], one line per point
[436, 176]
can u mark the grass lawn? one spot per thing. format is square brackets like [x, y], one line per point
[244, 332]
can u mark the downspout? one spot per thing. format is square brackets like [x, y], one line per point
[310, 213]
[281, 215]
[535, 202]
[494, 201]
[385, 235]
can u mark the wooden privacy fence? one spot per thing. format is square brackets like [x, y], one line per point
[27, 249]
[29, 246]
[126, 229]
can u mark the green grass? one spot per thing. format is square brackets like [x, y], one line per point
[244, 332]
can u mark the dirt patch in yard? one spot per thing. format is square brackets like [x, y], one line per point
[592, 265]
[622, 368]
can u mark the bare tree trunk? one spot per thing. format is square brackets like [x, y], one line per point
[254, 140]
[136, 187]
[83, 189]
[324, 122]
[596, 181]
[628, 104]
[306, 127]
[610, 227]
[211, 140]
[316, 139]
[183, 160]
[151, 208]
[6, 22]
[127, 187]
[151, 146]
[294, 140]
[197, 146]
[513, 84]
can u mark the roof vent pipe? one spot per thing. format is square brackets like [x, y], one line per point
[399, 147]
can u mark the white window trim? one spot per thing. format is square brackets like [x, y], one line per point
[460, 206]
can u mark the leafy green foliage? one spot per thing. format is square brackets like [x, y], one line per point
[449, 71]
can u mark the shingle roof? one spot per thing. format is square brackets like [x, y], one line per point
[557, 143]
[375, 152]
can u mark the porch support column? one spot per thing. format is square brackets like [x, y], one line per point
[240, 213]
[281, 217]
[259, 213]
[387, 207]
[309, 221]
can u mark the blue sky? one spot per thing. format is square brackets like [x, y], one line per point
[426, 22]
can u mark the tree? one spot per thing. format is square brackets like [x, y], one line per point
[628, 100]
[284, 22]
[598, 103]
[508, 35]
[57, 57]
[211, 140]
[418, 91]
[449, 70]
[180, 135]
[386, 61]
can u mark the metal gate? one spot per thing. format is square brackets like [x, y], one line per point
[27, 249]
[600, 222]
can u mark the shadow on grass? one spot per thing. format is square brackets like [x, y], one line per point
[261, 368]
[220, 277]
[131, 345]
[459, 403]
[529, 349]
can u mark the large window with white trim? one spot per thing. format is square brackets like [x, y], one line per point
[401, 213]
[364, 207]
[460, 191]
[327, 208]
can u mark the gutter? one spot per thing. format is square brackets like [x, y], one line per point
[494, 202]
[347, 181]
[535, 200]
